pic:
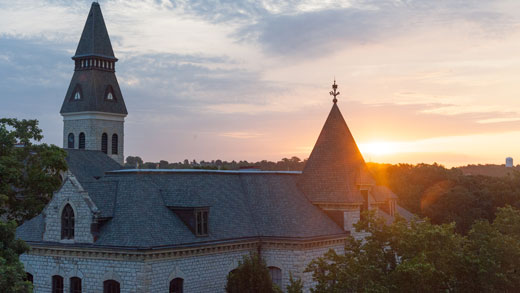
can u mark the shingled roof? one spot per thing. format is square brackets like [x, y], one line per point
[242, 205]
[94, 82]
[94, 39]
[335, 165]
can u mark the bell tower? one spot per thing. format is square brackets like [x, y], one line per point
[93, 109]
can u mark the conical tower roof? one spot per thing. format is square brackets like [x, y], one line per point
[94, 39]
[335, 167]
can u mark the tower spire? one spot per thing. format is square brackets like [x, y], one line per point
[334, 92]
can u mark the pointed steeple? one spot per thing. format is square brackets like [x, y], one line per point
[335, 167]
[94, 110]
[94, 39]
[94, 86]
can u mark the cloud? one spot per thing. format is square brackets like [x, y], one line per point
[314, 33]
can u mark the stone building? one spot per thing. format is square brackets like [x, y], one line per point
[109, 229]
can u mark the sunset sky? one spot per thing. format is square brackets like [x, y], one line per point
[420, 81]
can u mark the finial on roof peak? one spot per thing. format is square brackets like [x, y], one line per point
[334, 92]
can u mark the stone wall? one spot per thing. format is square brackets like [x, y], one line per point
[93, 129]
[73, 194]
[201, 273]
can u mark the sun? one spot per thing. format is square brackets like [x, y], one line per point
[378, 148]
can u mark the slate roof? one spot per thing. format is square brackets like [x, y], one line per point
[88, 164]
[242, 205]
[335, 164]
[94, 39]
[93, 83]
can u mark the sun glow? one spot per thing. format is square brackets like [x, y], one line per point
[378, 148]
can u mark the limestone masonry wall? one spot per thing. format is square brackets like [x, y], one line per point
[93, 129]
[202, 273]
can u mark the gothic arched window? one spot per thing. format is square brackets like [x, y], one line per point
[115, 144]
[104, 143]
[75, 285]
[81, 145]
[57, 284]
[111, 286]
[67, 222]
[276, 276]
[176, 285]
[70, 140]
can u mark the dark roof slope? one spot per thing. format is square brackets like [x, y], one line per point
[93, 82]
[93, 86]
[335, 165]
[86, 165]
[94, 39]
[241, 205]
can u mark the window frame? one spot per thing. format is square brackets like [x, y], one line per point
[77, 90]
[57, 284]
[75, 285]
[115, 144]
[67, 222]
[104, 143]
[201, 221]
[81, 141]
[107, 286]
[175, 282]
[274, 270]
[71, 140]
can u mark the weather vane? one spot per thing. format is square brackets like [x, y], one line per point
[334, 93]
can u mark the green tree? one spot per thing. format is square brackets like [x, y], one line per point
[389, 257]
[418, 256]
[12, 273]
[493, 253]
[295, 285]
[251, 276]
[29, 172]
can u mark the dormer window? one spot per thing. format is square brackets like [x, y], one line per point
[201, 225]
[196, 219]
[109, 94]
[77, 93]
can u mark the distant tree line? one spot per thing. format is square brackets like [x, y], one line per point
[447, 195]
[285, 164]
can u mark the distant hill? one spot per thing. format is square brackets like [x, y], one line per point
[489, 170]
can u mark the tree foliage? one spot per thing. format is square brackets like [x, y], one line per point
[29, 172]
[420, 256]
[447, 195]
[12, 273]
[251, 276]
[285, 164]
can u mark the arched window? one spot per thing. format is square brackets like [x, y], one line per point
[276, 276]
[70, 141]
[67, 222]
[114, 144]
[29, 277]
[104, 143]
[77, 96]
[57, 284]
[111, 286]
[81, 145]
[176, 285]
[75, 285]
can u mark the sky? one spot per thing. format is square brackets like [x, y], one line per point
[420, 81]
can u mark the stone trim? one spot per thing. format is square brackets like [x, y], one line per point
[173, 253]
[93, 115]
